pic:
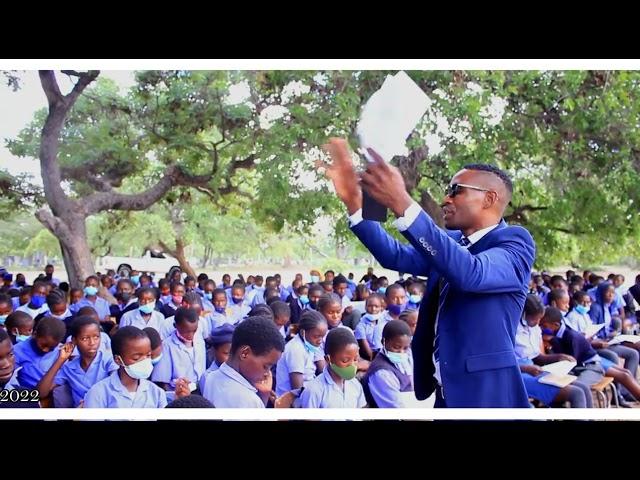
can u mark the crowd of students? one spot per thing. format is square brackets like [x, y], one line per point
[328, 342]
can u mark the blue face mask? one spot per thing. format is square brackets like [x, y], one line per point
[304, 299]
[310, 347]
[22, 338]
[219, 309]
[415, 299]
[3, 318]
[372, 317]
[315, 279]
[148, 308]
[208, 295]
[154, 361]
[37, 301]
[382, 290]
[135, 279]
[90, 291]
[396, 309]
[581, 309]
[165, 298]
[397, 358]
[237, 301]
[548, 331]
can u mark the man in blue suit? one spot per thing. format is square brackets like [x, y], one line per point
[478, 273]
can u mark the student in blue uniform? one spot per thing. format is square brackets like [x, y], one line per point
[19, 326]
[146, 315]
[367, 333]
[189, 283]
[177, 295]
[336, 386]
[127, 301]
[220, 341]
[58, 308]
[208, 286]
[330, 306]
[239, 308]
[302, 359]
[315, 293]
[9, 374]
[128, 386]
[37, 355]
[156, 344]
[202, 279]
[105, 340]
[299, 303]
[415, 291]
[6, 309]
[245, 379]
[37, 303]
[562, 339]
[24, 297]
[221, 314]
[390, 375]
[183, 353]
[530, 355]
[410, 317]
[281, 316]
[91, 299]
[165, 291]
[81, 372]
[396, 301]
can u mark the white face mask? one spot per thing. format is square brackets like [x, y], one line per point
[139, 370]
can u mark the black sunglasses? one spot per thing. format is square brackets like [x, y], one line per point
[455, 188]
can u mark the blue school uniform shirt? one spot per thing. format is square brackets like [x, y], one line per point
[218, 319]
[226, 388]
[80, 381]
[15, 302]
[324, 392]
[368, 330]
[33, 313]
[295, 359]
[13, 382]
[207, 305]
[110, 393]
[164, 326]
[385, 386]
[101, 306]
[34, 365]
[239, 312]
[203, 379]
[180, 361]
[578, 321]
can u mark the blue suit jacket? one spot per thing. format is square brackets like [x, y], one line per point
[488, 284]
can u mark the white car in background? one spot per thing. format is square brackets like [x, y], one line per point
[159, 263]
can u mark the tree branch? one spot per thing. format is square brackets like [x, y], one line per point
[50, 87]
[112, 200]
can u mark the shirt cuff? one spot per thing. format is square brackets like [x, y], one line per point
[410, 215]
[356, 218]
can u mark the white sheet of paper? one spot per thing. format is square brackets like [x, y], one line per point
[558, 380]
[559, 368]
[390, 115]
[591, 330]
[624, 338]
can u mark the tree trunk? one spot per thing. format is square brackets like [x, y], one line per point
[72, 235]
[179, 254]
